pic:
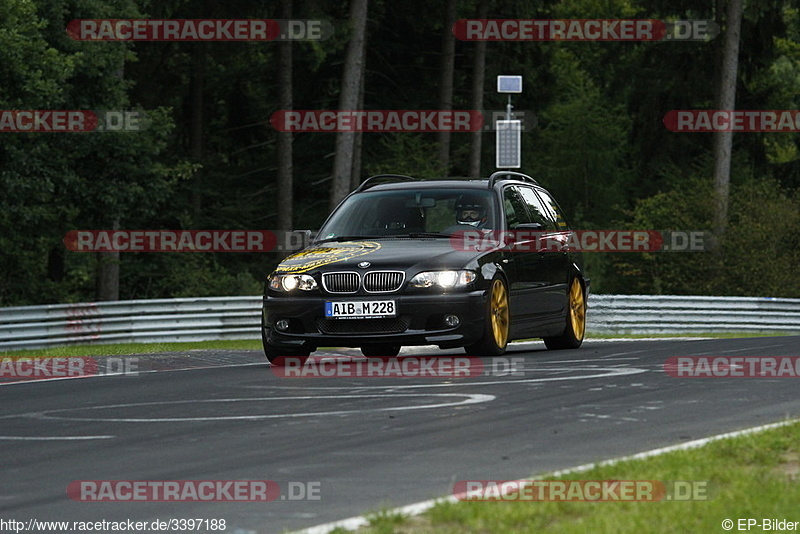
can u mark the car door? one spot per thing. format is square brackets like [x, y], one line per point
[552, 250]
[529, 290]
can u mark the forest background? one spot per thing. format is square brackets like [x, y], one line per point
[211, 160]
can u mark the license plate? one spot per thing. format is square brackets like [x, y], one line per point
[362, 309]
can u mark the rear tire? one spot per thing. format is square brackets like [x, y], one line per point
[381, 350]
[575, 329]
[496, 323]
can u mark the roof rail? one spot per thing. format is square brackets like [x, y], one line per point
[518, 175]
[366, 184]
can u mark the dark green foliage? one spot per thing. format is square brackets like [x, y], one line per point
[599, 145]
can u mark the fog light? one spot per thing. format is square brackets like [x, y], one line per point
[282, 325]
[451, 320]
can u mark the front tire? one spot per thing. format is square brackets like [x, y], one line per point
[496, 324]
[575, 329]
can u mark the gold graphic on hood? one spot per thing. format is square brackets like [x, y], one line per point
[305, 260]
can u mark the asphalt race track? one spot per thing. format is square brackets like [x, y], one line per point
[360, 443]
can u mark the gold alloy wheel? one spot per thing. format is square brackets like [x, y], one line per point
[577, 309]
[499, 311]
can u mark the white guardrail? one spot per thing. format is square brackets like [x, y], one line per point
[211, 318]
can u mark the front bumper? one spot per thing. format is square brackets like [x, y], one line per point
[419, 321]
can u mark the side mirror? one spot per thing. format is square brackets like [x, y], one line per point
[528, 232]
[530, 227]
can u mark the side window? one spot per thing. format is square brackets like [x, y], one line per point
[555, 211]
[516, 213]
[539, 213]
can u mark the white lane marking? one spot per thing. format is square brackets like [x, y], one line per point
[52, 438]
[616, 355]
[138, 372]
[586, 416]
[589, 360]
[406, 350]
[50, 379]
[468, 398]
[590, 339]
[674, 338]
[751, 348]
[609, 372]
[418, 508]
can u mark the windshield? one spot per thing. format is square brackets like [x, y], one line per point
[410, 212]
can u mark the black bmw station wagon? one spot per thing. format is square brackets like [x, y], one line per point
[452, 263]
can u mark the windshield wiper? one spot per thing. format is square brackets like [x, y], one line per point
[424, 234]
[340, 238]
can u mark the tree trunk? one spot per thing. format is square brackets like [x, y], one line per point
[106, 277]
[196, 131]
[446, 82]
[723, 141]
[355, 173]
[478, 82]
[348, 100]
[107, 273]
[55, 264]
[285, 193]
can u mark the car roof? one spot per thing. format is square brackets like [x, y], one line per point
[402, 182]
[431, 184]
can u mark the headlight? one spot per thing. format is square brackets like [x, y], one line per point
[290, 282]
[443, 279]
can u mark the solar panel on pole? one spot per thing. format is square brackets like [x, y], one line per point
[508, 152]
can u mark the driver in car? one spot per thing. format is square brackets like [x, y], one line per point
[470, 211]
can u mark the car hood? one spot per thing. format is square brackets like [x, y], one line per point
[404, 254]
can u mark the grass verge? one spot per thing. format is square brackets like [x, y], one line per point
[122, 349]
[752, 476]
